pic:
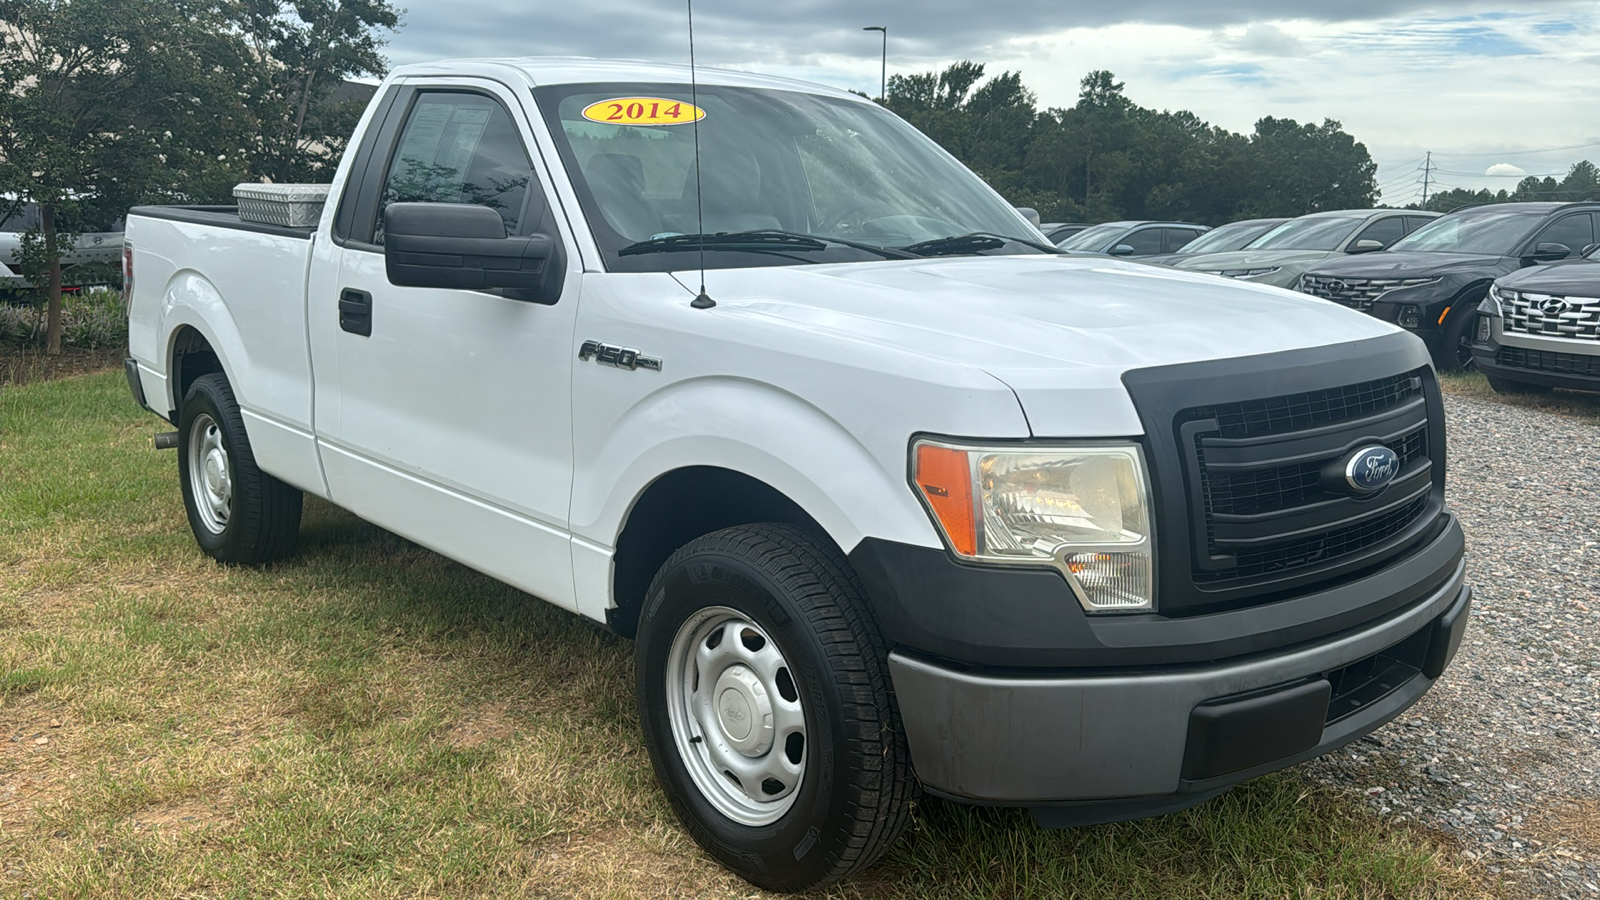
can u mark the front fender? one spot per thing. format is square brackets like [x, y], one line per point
[760, 431]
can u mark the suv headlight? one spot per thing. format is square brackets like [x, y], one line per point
[1245, 273]
[1497, 295]
[1084, 510]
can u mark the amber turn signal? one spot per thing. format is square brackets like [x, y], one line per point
[944, 476]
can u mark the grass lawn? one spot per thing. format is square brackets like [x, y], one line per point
[369, 719]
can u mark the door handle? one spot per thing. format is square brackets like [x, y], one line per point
[355, 312]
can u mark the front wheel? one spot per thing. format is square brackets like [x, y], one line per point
[238, 513]
[1455, 345]
[765, 699]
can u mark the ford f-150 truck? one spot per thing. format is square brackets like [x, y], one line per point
[898, 501]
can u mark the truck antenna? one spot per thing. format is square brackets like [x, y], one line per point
[703, 301]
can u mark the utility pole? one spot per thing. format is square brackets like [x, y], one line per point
[883, 71]
[1427, 176]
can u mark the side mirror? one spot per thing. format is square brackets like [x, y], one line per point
[464, 246]
[1589, 249]
[1122, 250]
[1031, 214]
[1365, 245]
[1549, 251]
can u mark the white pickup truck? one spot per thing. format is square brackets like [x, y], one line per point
[901, 502]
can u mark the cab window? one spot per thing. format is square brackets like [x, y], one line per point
[458, 147]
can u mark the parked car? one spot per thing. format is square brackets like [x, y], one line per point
[1539, 328]
[1221, 239]
[1431, 282]
[1060, 231]
[1282, 254]
[895, 502]
[1132, 239]
[103, 245]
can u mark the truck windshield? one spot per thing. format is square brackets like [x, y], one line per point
[1319, 233]
[847, 173]
[1484, 230]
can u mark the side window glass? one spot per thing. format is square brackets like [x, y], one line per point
[1415, 222]
[1573, 232]
[1178, 238]
[1145, 241]
[458, 148]
[1384, 231]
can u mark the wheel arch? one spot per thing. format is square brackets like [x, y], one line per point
[679, 506]
[201, 335]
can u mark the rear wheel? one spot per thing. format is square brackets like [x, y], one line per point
[238, 513]
[1507, 386]
[764, 695]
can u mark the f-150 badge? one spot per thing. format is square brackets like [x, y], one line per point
[619, 357]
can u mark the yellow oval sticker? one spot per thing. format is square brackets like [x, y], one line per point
[643, 111]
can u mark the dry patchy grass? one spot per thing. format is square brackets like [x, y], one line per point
[1575, 404]
[368, 719]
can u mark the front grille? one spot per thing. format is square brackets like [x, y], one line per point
[1546, 361]
[1297, 412]
[1326, 547]
[1547, 316]
[1283, 487]
[1356, 293]
[1264, 507]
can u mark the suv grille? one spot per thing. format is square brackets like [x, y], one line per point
[1264, 507]
[1546, 316]
[1356, 293]
[1544, 361]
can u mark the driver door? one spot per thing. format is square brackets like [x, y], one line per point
[446, 415]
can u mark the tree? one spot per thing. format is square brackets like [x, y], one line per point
[300, 53]
[1310, 168]
[91, 94]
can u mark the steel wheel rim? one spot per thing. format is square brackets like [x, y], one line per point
[736, 717]
[1464, 345]
[210, 476]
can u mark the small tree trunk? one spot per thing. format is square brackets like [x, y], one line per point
[47, 215]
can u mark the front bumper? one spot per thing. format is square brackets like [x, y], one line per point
[1115, 745]
[1551, 363]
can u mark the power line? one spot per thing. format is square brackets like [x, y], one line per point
[1427, 171]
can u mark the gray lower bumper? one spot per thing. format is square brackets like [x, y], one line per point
[1119, 745]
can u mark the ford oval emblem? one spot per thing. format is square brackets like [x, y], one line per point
[1371, 469]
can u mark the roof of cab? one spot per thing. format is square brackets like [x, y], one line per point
[546, 70]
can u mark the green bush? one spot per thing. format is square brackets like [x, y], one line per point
[91, 320]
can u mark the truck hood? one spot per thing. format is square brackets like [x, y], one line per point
[1388, 264]
[1252, 259]
[1569, 278]
[1059, 331]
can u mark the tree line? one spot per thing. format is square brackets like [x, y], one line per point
[108, 103]
[1108, 158]
[1582, 182]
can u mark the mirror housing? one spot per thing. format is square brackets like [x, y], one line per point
[1366, 245]
[1589, 249]
[1122, 250]
[464, 246]
[1031, 214]
[1547, 251]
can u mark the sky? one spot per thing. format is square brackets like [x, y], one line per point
[1495, 95]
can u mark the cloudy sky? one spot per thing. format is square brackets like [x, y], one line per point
[1493, 94]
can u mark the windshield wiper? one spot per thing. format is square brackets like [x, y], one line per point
[975, 242]
[760, 239]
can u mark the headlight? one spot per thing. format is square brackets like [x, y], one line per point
[1083, 510]
[1245, 273]
[1497, 295]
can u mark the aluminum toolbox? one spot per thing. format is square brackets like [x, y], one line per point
[289, 205]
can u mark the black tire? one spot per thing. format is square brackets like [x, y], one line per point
[1507, 386]
[856, 793]
[1455, 346]
[260, 515]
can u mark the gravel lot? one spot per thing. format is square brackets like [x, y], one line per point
[1505, 752]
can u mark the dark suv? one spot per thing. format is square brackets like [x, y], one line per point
[1431, 281]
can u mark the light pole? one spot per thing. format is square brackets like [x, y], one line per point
[883, 73]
